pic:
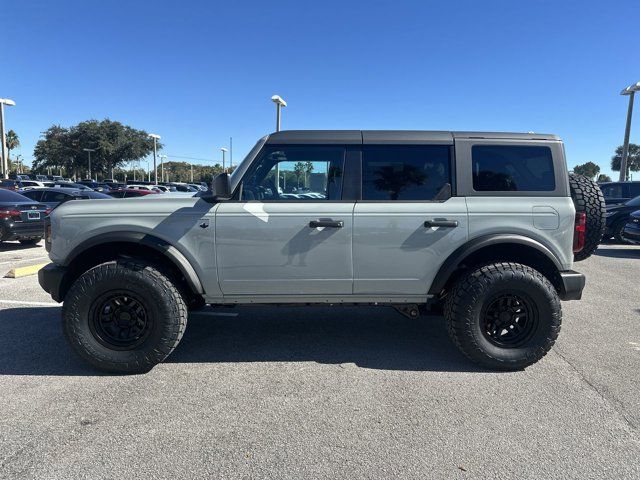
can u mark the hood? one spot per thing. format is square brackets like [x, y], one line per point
[162, 205]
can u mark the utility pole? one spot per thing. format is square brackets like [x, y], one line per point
[192, 173]
[89, 150]
[162, 157]
[629, 91]
[155, 146]
[231, 152]
[3, 149]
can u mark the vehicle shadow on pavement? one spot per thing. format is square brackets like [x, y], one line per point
[31, 340]
[618, 252]
[14, 246]
[375, 337]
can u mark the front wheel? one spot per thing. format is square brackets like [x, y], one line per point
[504, 316]
[124, 316]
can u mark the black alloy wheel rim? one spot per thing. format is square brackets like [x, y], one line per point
[120, 321]
[509, 320]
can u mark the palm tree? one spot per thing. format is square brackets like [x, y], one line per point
[11, 141]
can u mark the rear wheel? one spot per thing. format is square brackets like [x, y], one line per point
[503, 316]
[124, 316]
[587, 198]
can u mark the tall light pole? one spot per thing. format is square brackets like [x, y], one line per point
[89, 150]
[223, 150]
[630, 91]
[279, 104]
[230, 152]
[162, 158]
[5, 160]
[155, 147]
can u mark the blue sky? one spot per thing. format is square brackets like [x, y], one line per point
[199, 72]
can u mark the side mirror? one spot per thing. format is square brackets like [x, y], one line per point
[221, 186]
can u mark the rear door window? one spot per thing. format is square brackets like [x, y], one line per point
[55, 197]
[512, 168]
[35, 195]
[405, 172]
[634, 189]
[613, 190]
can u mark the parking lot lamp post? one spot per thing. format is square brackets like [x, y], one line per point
[224, 151]
[3, 150]
[192, 173]
[162, 158]
[155, 146]
[630, 91]
[279, 104]
[89, 150]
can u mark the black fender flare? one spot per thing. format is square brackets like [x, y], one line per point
[459, 255]
[144, 239]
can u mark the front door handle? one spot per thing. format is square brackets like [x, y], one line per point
[326, 223]
[441, 223]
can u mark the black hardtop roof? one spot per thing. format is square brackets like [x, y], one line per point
[393, 136]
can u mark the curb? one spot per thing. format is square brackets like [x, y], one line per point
[19, 272]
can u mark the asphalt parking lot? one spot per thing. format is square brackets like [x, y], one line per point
[325, 393]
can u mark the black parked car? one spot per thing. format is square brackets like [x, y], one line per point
[619, 192]
[21, 218]
[631, 233]
[53, 197]
[618, 216]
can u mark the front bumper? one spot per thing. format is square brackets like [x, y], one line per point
[20, 230]
[571, 285]
[51, 279]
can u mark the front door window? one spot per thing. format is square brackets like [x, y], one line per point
[295, 173]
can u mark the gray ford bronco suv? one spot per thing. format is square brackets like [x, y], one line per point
[485, 226]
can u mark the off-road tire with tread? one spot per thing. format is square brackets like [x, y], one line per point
[587, 197]
[465, 304]
[161, 298]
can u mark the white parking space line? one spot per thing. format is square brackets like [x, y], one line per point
[34, 304]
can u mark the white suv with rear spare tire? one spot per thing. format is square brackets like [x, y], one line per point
[483, 226]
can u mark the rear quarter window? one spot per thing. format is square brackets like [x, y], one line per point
[512, 168]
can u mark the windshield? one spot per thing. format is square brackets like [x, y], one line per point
[244, 164]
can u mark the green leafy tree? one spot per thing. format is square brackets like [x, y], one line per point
[114, 145]
[604, 178]
[11, 140]
[299, 170]
[633, 160]
[589, 170]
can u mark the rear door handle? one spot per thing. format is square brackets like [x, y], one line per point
[441, 223]
[326, 223]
